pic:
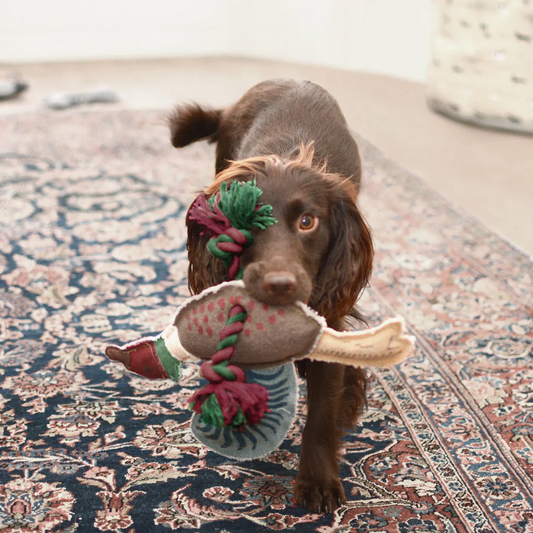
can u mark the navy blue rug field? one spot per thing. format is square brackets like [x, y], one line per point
[92, 252]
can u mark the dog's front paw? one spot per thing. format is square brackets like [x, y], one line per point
[319, 495]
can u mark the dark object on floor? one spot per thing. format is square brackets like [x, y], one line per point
[10, 89]
[66, 100]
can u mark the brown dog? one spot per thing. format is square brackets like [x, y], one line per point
[291, 137]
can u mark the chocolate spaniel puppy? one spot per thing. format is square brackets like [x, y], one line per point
[291, 137]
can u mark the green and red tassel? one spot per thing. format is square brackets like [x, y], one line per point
[230, 215]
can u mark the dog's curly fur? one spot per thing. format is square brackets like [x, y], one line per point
[291, 137]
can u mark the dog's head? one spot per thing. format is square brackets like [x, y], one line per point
[319, 251]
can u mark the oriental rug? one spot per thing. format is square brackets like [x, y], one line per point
[92, 252]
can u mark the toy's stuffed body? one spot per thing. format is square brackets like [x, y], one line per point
[254, 389]
[270, 336]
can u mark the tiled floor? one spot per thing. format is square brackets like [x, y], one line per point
[488, 173]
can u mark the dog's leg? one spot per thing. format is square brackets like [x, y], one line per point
[318, 486]
[353, 399]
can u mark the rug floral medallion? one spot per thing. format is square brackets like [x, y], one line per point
[92, 252]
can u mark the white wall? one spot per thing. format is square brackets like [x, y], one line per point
[50, 30]
[388, 36]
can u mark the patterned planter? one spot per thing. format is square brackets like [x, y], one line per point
[481, 69]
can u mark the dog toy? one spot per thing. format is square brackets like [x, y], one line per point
[247, 338]
[66, 100]
[255, 336]
[246, 347]
[11, 86]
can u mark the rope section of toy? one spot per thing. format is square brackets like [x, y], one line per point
[228, 246]
[228, 400]
[230, 216]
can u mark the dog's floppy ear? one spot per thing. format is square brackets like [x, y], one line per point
[347, 266]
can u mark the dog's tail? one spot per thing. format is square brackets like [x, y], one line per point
[191, 122]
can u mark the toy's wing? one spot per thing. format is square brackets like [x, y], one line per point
[384, 345]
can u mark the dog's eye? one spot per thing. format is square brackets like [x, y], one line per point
[308, 222]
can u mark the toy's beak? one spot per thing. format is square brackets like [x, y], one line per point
[117, 354]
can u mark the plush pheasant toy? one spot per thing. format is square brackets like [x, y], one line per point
[246, 347]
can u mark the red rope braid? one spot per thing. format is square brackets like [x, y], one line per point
[228, 400]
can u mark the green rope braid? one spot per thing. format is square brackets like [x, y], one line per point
[228, 257]
[228, 340]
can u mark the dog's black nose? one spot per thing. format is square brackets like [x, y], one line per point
[280, 287]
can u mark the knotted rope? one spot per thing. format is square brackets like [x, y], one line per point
[228, 246]
[228, 400]
[229, 216]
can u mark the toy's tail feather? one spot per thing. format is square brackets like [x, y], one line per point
[191, 122]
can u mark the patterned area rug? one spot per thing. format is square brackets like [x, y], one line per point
[92, 251]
